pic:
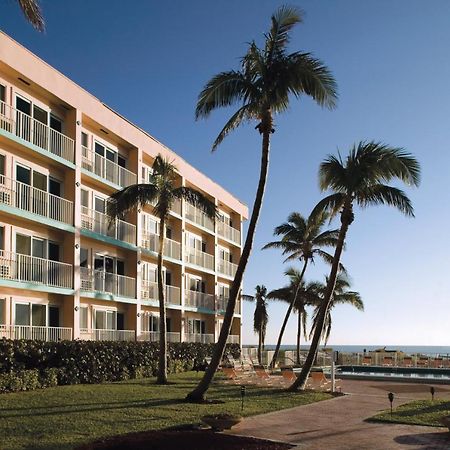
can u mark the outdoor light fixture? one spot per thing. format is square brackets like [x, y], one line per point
[139, 261]
[391, 399]
[77, 246]
[77, 184]
[138, 314]
[78, 122]
[76, 308]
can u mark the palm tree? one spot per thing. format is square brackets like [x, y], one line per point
[341, 296]
[304, 293]
[33, 13]
[303, 240]
[161, 190]
[260, 318]
[263, 86]
[359, 179]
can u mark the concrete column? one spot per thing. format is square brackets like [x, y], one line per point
[183, 325]
[138, 309]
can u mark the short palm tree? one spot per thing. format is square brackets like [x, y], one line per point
[268, 77]
[303, 239]
[33, 13]
[341, 296]
[161, 191]
[304, 293]
[359, 179]
[261, 317]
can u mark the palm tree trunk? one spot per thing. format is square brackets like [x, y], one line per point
[162, 367]
[198, 394]
[260, 345]
[299, 335]
[346, 220]
[286, 317]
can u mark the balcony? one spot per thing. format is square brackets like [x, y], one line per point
[153, 336]
[31, 130]
[227, 268]
[107, 283]
[198, 337]
[150, 241]
[228, 232]
[233, 339]
[27, 198]
[53, 334]
[198, 217]
[99, 223]
[222, 302]
[199, 258]
[107, 335]
[199, 300]
[149, 291]
[106, 169]
[33, 270]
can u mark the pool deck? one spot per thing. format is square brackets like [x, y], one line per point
[339, 423]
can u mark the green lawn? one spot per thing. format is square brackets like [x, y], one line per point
[66, 416]
[420, 412]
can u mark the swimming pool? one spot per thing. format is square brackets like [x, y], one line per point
[404, 374]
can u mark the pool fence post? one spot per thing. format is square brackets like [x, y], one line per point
[333, 374]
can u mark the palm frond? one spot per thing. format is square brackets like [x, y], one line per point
[33, 12]
[332, 204]
[198, 200]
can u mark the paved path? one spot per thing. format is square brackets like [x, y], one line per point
[338, 424]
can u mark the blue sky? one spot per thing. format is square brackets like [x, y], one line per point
[149, 60]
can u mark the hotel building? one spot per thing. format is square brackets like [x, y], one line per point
[64, 272]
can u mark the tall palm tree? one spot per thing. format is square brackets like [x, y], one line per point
[263, 87]
[260, 317]
[359, 179]
[341, 296]
[161, 190]
[33, 13]
[303, 240]
[304, 293]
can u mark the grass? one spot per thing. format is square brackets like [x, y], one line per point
[67, 416]
[419, 412]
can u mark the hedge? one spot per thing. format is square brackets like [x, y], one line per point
[27, 365]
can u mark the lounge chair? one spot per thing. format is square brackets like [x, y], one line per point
[367, 361]
[319, 380]
[265, 378]
[236, 378]
[407, 361]
[288, 375]
[422, 362]
[388, 361]
[437, 363]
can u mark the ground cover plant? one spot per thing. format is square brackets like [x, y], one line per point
[64, 417]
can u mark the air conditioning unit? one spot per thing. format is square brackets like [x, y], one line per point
[5, 271]
[86, 224]
[5, 197]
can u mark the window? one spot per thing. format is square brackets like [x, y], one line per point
[2, 238]
[2, 311]
[32, 314]
[150, 322]
[85, 198]
[84, 255]
[149, 224]
[225, 255]
[196, 284]
[84, 139]
[110, 154]
[195, 242]
[83, 317]
[196, 326]
[2, 165]
[224, 291]
[2, 93]
[105, 320]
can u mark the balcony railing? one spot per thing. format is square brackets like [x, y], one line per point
[199, 258]
[150, 241]
[193, 214]
[198, 337]
[107, 335]
[30, 269]
[227, 268]
[99, 223]
[153, 336]
[149, 291]
[176, 207]
[222, 302]
[228, 232]
[106, 169]
[233, 339]
[35, 132]
[35, 333]
[199, 300]
[27, 198]
[107, 283]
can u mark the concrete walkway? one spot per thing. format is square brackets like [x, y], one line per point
[339, 423]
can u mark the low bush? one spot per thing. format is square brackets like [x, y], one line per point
[26, 365]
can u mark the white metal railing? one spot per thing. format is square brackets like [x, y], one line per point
[106, 169]
[193, 214]
[233, 339]
[39, 333]
[99, 223]
[35, 132]
[199, 337]
[31, 269]
[199, 258]
[153, 336]
[27, 198]
[150, 241]
[222, 302]
[107, 335]
[199, 300]
[108, 283]
[226, 268]
[149, 290]
[176, 207]
[228, 232]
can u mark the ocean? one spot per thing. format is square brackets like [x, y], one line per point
[410, 349]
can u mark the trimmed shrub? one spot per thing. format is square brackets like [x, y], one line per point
[77, 362]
